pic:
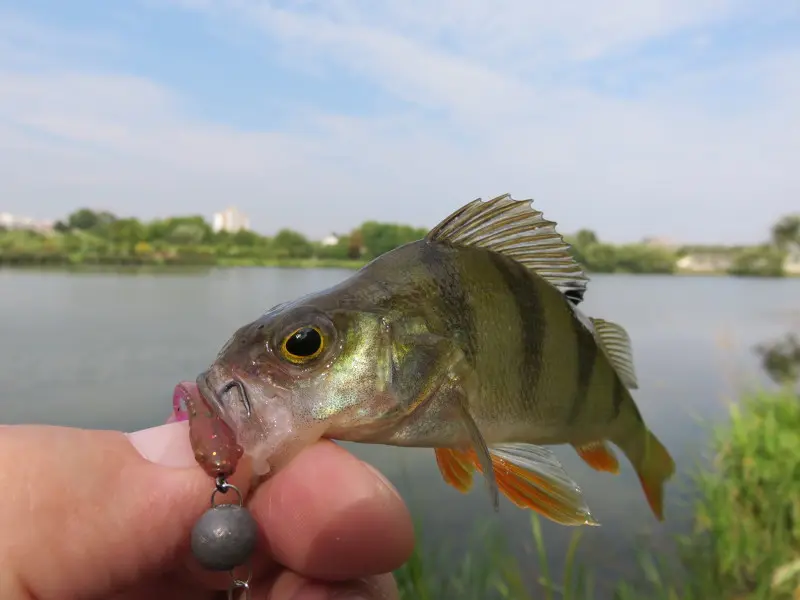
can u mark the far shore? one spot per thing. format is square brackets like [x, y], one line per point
[295, 263]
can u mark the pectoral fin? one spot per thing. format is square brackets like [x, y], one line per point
[442, 389]
[457, 468]
[484, 462]
[599, 456]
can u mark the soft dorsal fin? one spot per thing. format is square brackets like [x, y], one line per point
[615, 341]
[517, 230]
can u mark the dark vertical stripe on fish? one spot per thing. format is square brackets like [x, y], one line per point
[587, 357]
[523, 290]
[457, 309]
[619, 395]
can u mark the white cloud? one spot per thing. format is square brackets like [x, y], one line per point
[677, 158]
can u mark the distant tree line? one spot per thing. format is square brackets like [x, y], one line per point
[766, 260]
[101, 238]
[601, 257]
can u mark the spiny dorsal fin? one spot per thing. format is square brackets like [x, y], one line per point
[517, 230]
[615, 341]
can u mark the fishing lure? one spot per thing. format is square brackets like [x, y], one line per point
[225, 537]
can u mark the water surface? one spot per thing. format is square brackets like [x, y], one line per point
[104, 350]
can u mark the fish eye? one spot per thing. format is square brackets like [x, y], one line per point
[303, 344]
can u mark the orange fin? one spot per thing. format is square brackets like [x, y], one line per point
[598, 456]
[656, 468]
[456, 467]
[531, 477]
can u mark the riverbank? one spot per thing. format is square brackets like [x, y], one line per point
[133, 266]
[745, 544]
[173, 267]
[87, 237]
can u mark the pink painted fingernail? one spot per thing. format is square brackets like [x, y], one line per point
[180, 395]
[166, 445]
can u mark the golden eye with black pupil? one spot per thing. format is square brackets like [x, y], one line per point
[303, 345]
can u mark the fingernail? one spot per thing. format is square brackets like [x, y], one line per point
[382, 478]
[181, 395]
[167, 445]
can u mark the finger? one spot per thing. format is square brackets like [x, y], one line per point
[291, 586]
[87, 514]
[328, 515]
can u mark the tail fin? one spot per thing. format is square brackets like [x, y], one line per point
[653, 465]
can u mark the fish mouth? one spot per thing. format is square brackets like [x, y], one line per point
[221, 397]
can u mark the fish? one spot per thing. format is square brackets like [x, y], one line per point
[470, 342]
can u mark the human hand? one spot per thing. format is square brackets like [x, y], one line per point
[86, 515]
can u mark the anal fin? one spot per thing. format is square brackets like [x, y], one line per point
[529, 476]
[599, 456]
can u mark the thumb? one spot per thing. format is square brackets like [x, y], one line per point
[89, 512]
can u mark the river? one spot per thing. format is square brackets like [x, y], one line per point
[104, 350]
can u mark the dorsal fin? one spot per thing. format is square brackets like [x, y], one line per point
[517, 230]
[617, 344]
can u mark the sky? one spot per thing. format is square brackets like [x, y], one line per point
[670, 118]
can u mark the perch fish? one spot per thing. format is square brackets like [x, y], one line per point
[469, 341]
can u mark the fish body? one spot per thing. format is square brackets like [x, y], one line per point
[469, 341]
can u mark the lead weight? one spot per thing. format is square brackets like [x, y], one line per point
[224, 537]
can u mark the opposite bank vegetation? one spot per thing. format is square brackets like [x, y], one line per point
[89, 238]
[745, 541]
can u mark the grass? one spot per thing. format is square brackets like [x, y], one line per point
[745, 544]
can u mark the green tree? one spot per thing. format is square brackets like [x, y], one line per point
[86, 219]
[600, 258]
[786, 232]
[243, 237]
[291, 244]
[355, 245]
[379, 238]
[186, 234]
[640, 258]
[586, 237]
[338, 251]
[758, 261]
[580, 243]
[190, 230]
[127, 232]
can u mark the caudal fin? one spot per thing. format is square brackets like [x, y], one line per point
[653, 465]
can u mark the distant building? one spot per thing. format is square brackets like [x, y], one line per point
[659, 242]
[705, 262]
[231, 220]
[9, 221]
[330, 240]
[791, 264]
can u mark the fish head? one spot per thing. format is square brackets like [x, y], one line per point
[286, 379]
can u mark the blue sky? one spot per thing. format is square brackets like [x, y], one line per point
[636, 118]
